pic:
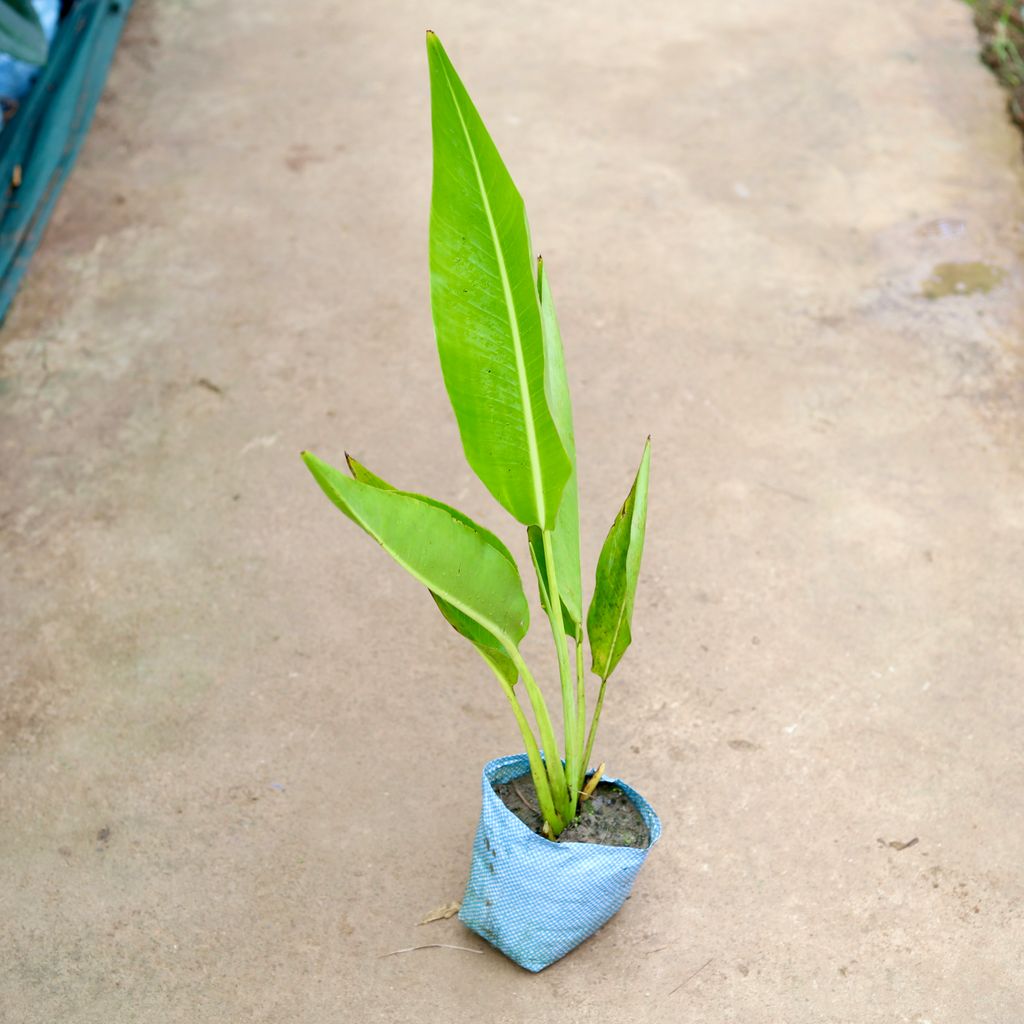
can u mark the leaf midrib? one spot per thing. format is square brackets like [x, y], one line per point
[517, 344]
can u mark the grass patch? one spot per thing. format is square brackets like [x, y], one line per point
[1000, 25]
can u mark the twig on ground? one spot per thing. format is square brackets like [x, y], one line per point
[690, 977]
[429, 945]
[897, 845]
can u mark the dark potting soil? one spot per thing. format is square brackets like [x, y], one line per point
[609, 817]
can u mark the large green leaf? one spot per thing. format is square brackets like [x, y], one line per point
[485, 642]
[618, 569]
[455, 559]
[21, 35]
[565, 541]
[486, 311]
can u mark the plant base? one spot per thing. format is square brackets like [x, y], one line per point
[536, 900]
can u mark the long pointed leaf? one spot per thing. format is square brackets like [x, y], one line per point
[540, 563]
[486, 311]
[485, 642]
[565, 540]
[444, 551]
[472, 603]
[618, 569]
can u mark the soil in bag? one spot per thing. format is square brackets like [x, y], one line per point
[609, 817]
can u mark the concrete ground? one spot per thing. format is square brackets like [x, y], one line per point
[240, 750]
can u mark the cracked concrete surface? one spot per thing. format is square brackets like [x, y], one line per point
[240, 751]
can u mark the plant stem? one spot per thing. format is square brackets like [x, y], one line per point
[540, 780]
[573, 740]
[553, 763]
[593, 723]
[581, 706]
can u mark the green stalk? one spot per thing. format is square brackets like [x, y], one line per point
[593, 724]
[553, 763]
[581, 706]
[573, 740]
[540, 779]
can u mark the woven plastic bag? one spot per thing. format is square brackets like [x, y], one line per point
[536, 900]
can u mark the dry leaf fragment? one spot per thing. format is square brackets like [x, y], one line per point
[442, 913]
[588, 789]
[897, 845]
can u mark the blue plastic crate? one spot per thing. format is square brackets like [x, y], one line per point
[38, 147]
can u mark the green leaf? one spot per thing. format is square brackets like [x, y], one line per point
[486, 311]
[565, 540]
[618, 568]
[455, 559]
[498, 660]
[485, 642]
[536, 541]
[21, 35]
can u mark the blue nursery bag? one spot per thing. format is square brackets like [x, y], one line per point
[536, 900]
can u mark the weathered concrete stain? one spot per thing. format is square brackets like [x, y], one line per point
[962, 279]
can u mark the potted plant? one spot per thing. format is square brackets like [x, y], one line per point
[557, 847]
